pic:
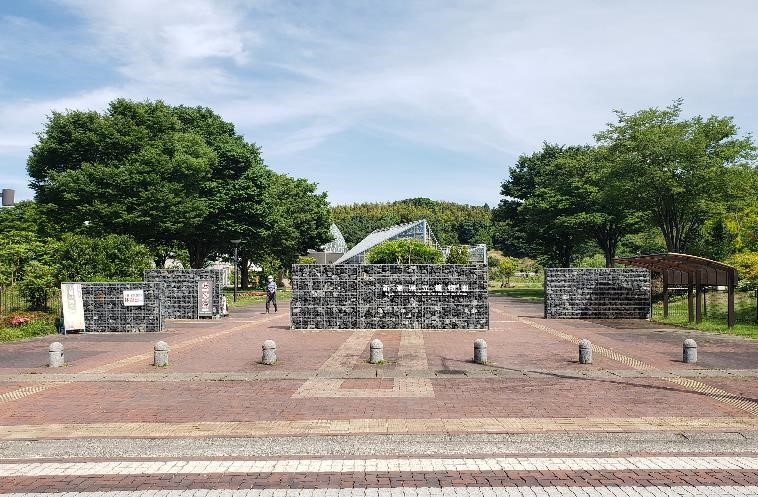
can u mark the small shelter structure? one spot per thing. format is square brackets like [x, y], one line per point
[693, 272]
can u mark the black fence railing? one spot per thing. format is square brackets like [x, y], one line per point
[714, 306]
[12, 301]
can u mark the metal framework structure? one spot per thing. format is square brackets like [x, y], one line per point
[693, 272]
[338, 245]
[417, 230]
[104, 308]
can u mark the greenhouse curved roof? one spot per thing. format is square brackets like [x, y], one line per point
[407, 230]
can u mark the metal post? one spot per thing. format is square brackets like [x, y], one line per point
[236, 266]
[690, 310]
[665, 294]
[730, 318]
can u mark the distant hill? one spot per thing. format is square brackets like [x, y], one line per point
[452, 223]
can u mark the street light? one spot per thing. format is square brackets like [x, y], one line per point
[236, 265]
[8, 195]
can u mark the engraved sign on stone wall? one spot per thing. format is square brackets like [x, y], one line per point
[387, 296]
[134, 297]
[205, 298]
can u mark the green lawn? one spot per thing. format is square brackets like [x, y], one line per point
[518, 292]
[244, 297]
[715, 319]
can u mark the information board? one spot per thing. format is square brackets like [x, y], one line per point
[73, 307]
[134, 297]
[205, 298]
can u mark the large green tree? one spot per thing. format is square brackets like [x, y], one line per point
[160, 173]
[547, 199]
[681, 172]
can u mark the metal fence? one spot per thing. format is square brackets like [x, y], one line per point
[714, 304]
[11, 301]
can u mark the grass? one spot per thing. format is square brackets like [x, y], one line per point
[715, 320]
[749, 330]
[518, 292]
[246, 297]
[40, 324]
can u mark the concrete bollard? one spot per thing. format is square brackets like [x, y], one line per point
[269, 353]
[585, 351]
[376, 351]
[480, 351]
[689, 351]
[160, 354]
[56, 355]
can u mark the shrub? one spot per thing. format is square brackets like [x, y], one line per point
[34, 285]
[458, 255]
[747, 269]
[405, 251]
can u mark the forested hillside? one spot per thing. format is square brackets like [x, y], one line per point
[452, 223]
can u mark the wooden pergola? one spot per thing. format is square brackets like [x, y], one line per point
[694, 272]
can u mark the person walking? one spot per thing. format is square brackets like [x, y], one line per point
[271, 294]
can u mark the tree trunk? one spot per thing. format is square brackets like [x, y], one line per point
[245, 272]
[198, 253]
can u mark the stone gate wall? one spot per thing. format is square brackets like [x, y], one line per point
[180, 293]
[597, 293]
[104, 308]
[389, 296]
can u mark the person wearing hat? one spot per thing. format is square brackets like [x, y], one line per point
[271, 294]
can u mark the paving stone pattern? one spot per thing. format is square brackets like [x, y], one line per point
[179, 297]
[389, 296]
[590, 293]
[104, 308]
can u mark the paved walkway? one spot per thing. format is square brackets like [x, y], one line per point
[428, 420]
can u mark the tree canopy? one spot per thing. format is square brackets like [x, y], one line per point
[451, 223]
[692, 180]
[169, 176]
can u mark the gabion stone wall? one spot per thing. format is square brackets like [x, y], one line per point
[180, 296]
[387, 296]
[104, 308]
[597, 293]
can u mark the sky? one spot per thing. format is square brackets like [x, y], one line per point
[379, 100]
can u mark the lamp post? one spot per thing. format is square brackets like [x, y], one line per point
[236, 265]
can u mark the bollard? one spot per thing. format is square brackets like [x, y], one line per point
[480, 351]
[160, 354]
[689, 351]
[585, 351]
[376, 351]
[269, 353]
[56, 355]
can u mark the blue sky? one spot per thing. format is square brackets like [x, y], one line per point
[378, 100]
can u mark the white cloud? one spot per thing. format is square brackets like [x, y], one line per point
[486, 79]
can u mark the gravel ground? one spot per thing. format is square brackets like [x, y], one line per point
[388, 445]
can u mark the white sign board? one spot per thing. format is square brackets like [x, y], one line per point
[134, 297]
[73, 307]
[205, 298]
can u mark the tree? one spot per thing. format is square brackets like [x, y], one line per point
[159, 173]
[297, 219]
[504, 270]
[747, 269]
[405, 251]
[458, 255]
[681, 170]
[105, 258]
[547, 200]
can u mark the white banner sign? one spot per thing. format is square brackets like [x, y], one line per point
[73, 307]
[205, 298]
[134, 297]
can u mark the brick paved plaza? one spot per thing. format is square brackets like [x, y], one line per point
[429, 421]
